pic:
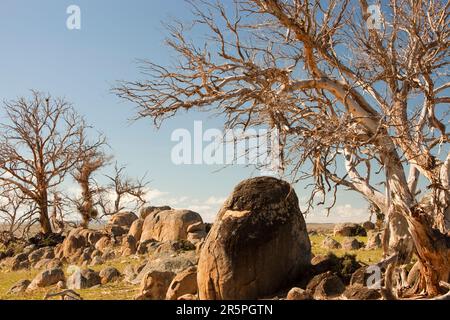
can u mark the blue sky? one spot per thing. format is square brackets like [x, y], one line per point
[39, 52]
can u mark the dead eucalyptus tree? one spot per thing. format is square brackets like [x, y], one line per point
[345, 83]
[122, 192]
[89, 163]
[17, 214]
[41, 140]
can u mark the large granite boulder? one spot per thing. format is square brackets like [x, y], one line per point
[169, 225]
[258, 244]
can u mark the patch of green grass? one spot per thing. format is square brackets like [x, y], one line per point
[362, 255]
[9, 278]
[120, 263]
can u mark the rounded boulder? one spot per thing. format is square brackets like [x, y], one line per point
[258, 244]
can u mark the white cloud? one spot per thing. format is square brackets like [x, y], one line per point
[153, 194]
[338, 214]
[215, 200]
[184, 198]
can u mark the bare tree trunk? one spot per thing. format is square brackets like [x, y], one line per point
[86, 205]
[414, 235]
[46, 227]
[409, 231]
[397, 238]
[85, 221]
[428, 226]
[433, 251]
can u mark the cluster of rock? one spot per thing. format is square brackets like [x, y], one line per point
[76, 279]
[350, 231]
[335, 278]
[328, 286]
[171, 235]
[127, 234]
[258, 247]
[30, 257]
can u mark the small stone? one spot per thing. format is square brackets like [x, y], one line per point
[352, 244]
[47, 278]
[330, 243]
[109, 274]
[298, 294]
[19, 287]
